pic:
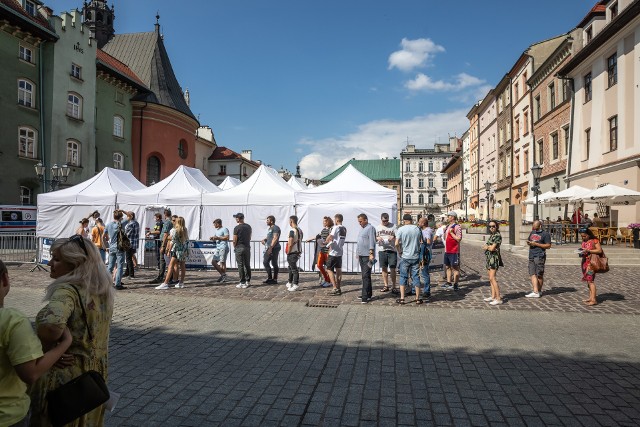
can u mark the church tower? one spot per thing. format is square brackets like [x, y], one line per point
[98, 17]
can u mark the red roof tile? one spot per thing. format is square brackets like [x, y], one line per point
[38, 19]
[224, 153]
[118, 66]
[599, 9]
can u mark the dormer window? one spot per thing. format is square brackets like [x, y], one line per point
[588, 34]
[614, 10]
[30, 7]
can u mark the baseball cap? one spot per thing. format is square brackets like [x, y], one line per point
[453, 214]
[407, 217]
[239, 215]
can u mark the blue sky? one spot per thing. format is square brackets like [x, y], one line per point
[321, 82]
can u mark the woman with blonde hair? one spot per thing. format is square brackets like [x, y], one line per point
[178, 250]
[80, 298]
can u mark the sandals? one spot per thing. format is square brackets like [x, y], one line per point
[400, 301]
[419, 301]
[384, 289]
[395, 291]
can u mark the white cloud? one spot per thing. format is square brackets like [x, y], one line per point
[422, 82]
[380, 138]
[414, 54]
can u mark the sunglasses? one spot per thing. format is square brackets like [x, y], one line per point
[80, 241]
[493, 226]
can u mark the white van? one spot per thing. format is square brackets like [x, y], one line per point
[17, 218]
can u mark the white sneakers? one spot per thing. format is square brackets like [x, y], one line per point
[162, 286]
[179, 285]
[496, 302]
[488, 299]
[291, 287]
[533, 295]
[288, 285]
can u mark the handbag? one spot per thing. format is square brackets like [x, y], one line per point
[79, 396]
[599, 263]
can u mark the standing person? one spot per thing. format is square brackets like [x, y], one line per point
[425, 257]
[335, 243]
[293, 249]
[93, 219]
[242, 249]
[116, 256]
[167, 225]
[322, 252]
[271, 251]
[365, 251]
[178, 250]
[441, 227]
[386, 240]
[21, 359]
[132, 230]
[83, 228]
[79, 298]
[408, 242]
[590, 245]
[494, 261]
[539, 241]
[452, 238]
[96, 238]
[155, 235]
[219, 261]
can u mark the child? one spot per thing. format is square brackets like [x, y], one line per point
[21, 359]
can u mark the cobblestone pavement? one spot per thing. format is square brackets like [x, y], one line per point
[216, 355]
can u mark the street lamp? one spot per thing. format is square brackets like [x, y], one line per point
[58, 174]
[487, 187]
[466, 194]
[536, 171]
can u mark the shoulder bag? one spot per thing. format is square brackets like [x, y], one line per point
[599, 263]
[79, 396]
[124, 245]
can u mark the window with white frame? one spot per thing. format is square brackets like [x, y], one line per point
[118, 126]
[445, 183]
[407, 199]
[587, 87]
[420, 167]
[587, 144]
[76, 71]
[407, 182]
[25, 93]
[25, 54]
[421, 199]
[430, 199]
[565, 90]
[612, 70]
[420, 182]
[30, 7]
[430, 166]
[555, 146]
[614, 10]
[588, 34]
[566, 140]
[25, 195]
[27, 142]
[552, 96]
[73, 152]
[445, 200]
[407, 167]
[430, 183]
[537, 108]
[74, 106]
[118, 160]
[613, 133]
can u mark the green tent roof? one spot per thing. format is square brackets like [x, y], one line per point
[377, 170]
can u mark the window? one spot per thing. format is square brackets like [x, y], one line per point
[537, 111]
[587, 143]
[566, 140]
[614, 10]
[555, 148]
[430, 182]
[25, 196]
[25, 54]
[430, 166]
[420, 182]
[25, 93]
[75, 71]
[73, 153]
[407, 167]
[430, 199]
[26, 142]
[407, 199]
[516, 127]
[30, 7]
[119, 97]
[612, 69]
[407, 183]
[445, 183]
[445, 200]
[540, 152]
[420, 167]
[517, 165]
[244, 171]
[118, 126]
[223, 170]
[153, 170]
[587, 88]
[565, 90]
[118, 161]
[552, 96]
[613, 133]
[421, 199]
[526, 162]
[525, 122]
[74, 106]
[516, 91]
[588, 34]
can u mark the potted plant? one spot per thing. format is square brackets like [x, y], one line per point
[635, 229]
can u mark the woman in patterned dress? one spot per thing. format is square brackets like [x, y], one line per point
[75, 263]
[492, 253]
[590, 245]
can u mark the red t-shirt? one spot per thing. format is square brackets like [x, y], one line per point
[451, 245]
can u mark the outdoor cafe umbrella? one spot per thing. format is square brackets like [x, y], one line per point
[571, 194]
[611, 195]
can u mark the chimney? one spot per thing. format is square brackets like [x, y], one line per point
[247, 154]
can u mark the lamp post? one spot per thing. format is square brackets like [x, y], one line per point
[487, 187]
[536, 171]
[58, 174]
[466, 214]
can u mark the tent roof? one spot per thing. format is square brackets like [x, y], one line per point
[186, 185]
[229, 182]
[263, 187]
[610, 193]
[350, 186]
[103, 187]
[297, 183]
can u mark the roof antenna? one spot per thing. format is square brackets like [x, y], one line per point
[157, 25]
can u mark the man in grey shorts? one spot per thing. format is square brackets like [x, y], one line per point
[386, 241]
[539, 241]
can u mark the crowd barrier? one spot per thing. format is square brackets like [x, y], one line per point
[20, 247]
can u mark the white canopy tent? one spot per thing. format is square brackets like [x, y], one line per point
[59, 212]
[229, 182]
[181, 192]
[297, 183]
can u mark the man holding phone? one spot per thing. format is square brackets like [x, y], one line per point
[452, 238]
[539, 241]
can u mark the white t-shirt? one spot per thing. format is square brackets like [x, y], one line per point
[440, 231]
[339, 234]
[386, 237]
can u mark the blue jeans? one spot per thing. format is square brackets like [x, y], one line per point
[426, 279]
[116, 259]
[409, 267]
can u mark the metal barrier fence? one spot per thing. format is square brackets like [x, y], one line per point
[19, 247]
[563, 233]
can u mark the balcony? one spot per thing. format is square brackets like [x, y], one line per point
[432, 190]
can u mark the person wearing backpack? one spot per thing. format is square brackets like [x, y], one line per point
[425, 257]
[116, 240]
[293, 249]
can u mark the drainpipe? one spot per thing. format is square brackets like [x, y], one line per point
[41, 96]
[571, 118]
[140, 141]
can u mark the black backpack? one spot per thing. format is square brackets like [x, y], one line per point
[124, 245]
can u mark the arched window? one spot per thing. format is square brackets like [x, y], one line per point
[430, 198]
[118, 160]
[421, 199]
[153, 170]
[73, 152]
[26, 91]
[430, 166]
[118, 126]
[182, 149]
[27, 142]
[421, 167]
[25, 195]
[74, 105]
[407, 199]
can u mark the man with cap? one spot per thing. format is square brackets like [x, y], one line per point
[452, 238]
[386, 239]
[408, 242]
[242, 249]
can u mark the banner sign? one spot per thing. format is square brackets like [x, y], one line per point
[45, 250]
[437, 257]
[200, 254]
